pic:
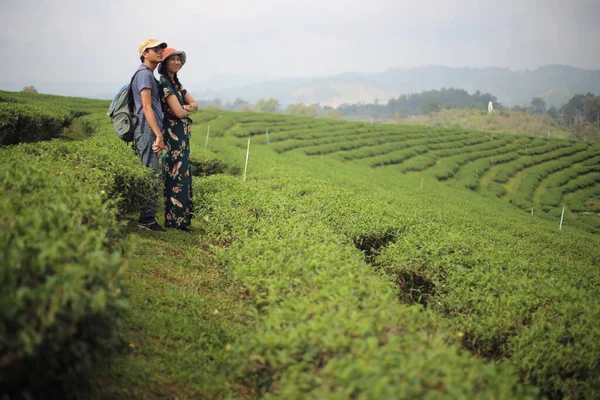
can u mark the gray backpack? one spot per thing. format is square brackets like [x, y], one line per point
[121, 113]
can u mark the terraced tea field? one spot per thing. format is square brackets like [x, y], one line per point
[353, 261]
[537, 175]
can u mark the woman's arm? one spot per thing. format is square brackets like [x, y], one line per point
[175, 107]
[190, 102]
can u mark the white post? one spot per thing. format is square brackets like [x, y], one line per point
[532, 211]
[421, 184]
[561, 218]
[207, 133]
[247, 154]
[267, 133]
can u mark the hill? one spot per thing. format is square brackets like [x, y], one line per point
[349, 260]
[553, 83]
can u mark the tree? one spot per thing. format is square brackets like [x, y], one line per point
[332, 114]
[429, 106]
[269, 106]
[398, 116]
[538, 105]
[585, 131]
[573, 110]
[300, 109]
[238, 104]
[30, 89]
[553, 112]
[591, 109]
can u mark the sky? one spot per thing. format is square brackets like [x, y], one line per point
[96, 40]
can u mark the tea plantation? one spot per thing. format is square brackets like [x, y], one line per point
[354, 261]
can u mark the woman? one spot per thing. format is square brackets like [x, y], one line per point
[176, 104]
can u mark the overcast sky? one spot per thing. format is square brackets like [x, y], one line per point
[78, 40]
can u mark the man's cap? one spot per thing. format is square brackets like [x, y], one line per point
[169, 51]
[150, 43]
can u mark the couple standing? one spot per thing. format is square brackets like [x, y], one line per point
[162, 108]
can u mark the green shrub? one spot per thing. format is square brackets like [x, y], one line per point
[30, 123]
[61, 259]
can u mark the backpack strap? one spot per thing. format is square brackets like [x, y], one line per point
[130, 101]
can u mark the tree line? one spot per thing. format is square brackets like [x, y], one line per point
[425, 102]
[580, 115]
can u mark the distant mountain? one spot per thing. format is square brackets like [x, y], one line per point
[554, 83]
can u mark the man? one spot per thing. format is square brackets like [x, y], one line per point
[149, 132]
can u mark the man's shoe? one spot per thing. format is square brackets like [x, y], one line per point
[152, 225]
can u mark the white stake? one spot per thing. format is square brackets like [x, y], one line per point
[247, 154]
[532, 211]
[207, 132]
[267, 133]
[421, 184]
[561, 218]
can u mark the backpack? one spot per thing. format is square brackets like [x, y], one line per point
[121, 113]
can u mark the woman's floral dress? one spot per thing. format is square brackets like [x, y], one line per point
[176, 162]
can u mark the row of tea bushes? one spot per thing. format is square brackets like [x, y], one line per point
[326, 324]
[62, 252]
[28, 123]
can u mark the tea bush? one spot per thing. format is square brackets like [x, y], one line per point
[29, 123]
[61, 259]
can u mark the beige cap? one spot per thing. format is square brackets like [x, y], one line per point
[150, 43]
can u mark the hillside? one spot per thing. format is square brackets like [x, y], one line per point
[501, 121]
[556, 84]
[354, 261]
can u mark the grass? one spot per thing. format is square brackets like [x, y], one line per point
[185, 310]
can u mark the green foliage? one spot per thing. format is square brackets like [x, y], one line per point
[538, 105]
[301, 110]
[267, 106]
[59, 274]
[507, 170]
[585, 131]
[28, 123]
[327, 325]
[591, 110]
[353, 282]
[429, 106]
[30, 89]
[508, 121]
[333, 114]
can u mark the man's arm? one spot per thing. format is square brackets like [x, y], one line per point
[146, 95]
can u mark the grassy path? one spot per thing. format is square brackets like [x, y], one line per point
[184, 312]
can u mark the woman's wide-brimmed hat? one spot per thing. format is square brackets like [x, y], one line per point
[170, 51]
